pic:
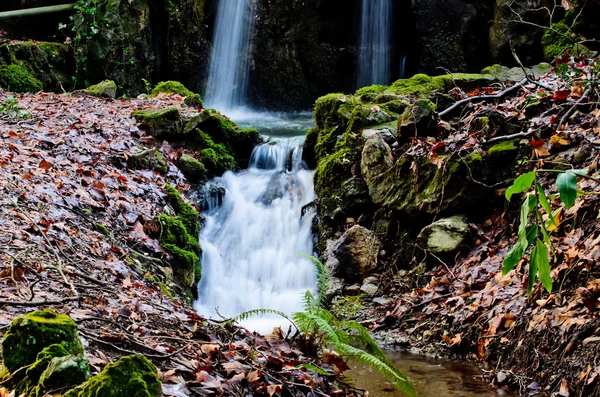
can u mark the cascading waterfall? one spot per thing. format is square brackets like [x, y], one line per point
[253, 239]
[227, 84]
[374, 58]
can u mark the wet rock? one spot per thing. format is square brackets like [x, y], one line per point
[175, 87]
[420, 119]
[192, 168]
[160, 123]
[381, 301]
[354, 255]
[148, 160]
[210, 196]
[376, 157]
[444, 236]
[387, 134]
[281, 185]
[369, 289]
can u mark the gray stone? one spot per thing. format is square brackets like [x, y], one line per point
[501, 377]
[369, 289]
[388, 134]
[444, 235]
[354, 255]
[376, 157]
[381, 301]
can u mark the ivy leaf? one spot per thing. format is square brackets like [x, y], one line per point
[567, 188]
[522, 183]
[539, 259]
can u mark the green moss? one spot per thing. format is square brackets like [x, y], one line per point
[193, 169]
[102, 229]
[148, 160]
[28, 335]
[62, 373]
[175, 87]
[503, 147]
[18, 79]
[157, 116]
[218, 159]
[43, 359]
[348, 307]
[132, 376]
[185, 212]
[395, 106]
[105, 89]
[557, 40]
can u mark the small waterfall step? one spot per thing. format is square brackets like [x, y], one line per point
[254, 236]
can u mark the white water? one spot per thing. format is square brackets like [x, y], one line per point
[227, 84]
[252, 242]
[374, 59]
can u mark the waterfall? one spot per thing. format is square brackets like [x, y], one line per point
[253, 237]
[227, 84]
[374, 57]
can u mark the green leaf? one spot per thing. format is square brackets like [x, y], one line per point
[515, 254]
[539, 257]
[529, 204]
[545, 204]
[311, 367]
[522, 183]
[567, 187]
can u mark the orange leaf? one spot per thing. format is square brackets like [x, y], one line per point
[536, 144]
[561, 95]
[541, 152]
[45, 164]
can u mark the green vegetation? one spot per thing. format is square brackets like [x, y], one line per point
[175, 87]
[536, 234]
[148, 160]
[17, 78]
[10, 109]
[319, 326]
[105, 89]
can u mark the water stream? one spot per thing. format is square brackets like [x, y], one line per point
[374, 59]
[228, 74]
[254, 237]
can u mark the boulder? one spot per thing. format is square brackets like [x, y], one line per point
[281, 185]
[160, 123]
[420, 119]
[376, 158]
[354, 255]
[175, 87]
[150, 159]
[129, 376]
[444, 236]
[28, 335]
[192, 168]
[104, 89]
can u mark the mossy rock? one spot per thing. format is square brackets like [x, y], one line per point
[132, 376]
[104, 89]
[17, 78]
[52, 64]
[419, 119]
[192, 168]
[160, 123]
[175, 87]
[148, 160]
[28, 335]
[62, 373]
[188, 215]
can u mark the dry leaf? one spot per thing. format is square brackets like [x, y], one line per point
[272, 389]
[541, 151]
[564, 389]
[557, 140]
[45, 165]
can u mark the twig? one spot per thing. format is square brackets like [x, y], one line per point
[31, 289]
[156, 356]
[40, 302]
[570, 112]
[529, 78]
[484, 97]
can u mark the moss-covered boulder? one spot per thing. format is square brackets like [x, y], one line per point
[28, 335]
[150, 159]
[419, 119]
[160, 123]
[61, 373]
[444, 236]
[175, 87]
[104, 89]
[18, 79]
[38, 65]
[192, 168]
[179, 236]
[132, 376]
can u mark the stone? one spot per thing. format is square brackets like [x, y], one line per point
[376, 157]
[369, 289]
[160, 123]
[352, 289]
[64, 371]
[280, 185]
[388, 134]
[420, 119]
[104, 89]
[129, 376]
[444, 236]
[354, 255]
[501, 377]
[148, 160]
[381, 301]
[175, 87]
[192, 168]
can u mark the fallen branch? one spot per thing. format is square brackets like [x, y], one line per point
[509, 137]
[499, 95]
[527, 76]
[40, 303]
[570, 112]
[36, 11]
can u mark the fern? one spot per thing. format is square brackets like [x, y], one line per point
[318, 323]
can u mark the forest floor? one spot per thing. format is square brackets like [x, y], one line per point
[464, 306]
[72, 238]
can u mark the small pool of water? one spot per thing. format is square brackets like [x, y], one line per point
[272, 124]
[432, 378]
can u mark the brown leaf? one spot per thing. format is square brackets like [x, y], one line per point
[209, 349]
[272, 389]
[564, 389]
[45, 165]
[253, 377]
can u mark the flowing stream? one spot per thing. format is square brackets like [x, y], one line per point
[374, 65]
[255, 234]
[227, 84]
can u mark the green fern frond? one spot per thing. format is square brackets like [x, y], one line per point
[322, 277]
[309, 302]
[359, 335]
[391, 373]
[310, 323]
[257, 312]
